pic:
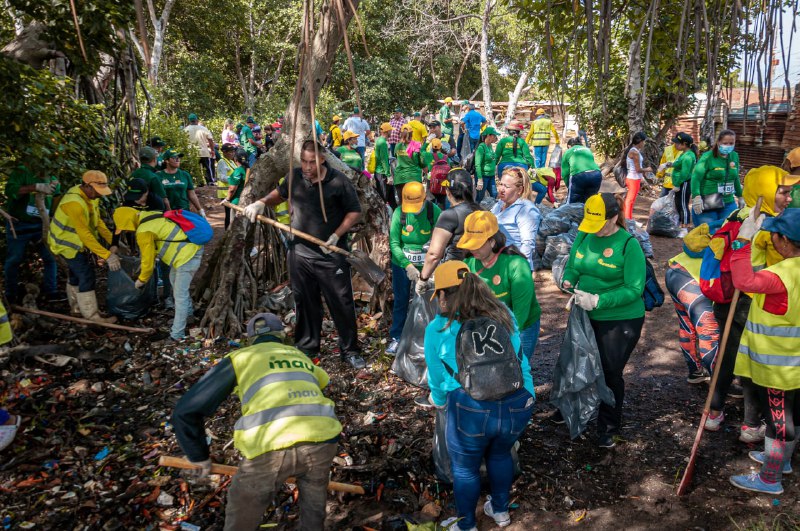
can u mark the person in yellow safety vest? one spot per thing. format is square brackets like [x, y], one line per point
[225, 167]
[74, 232]
[665, 169]
[9, 424]
[288, 426]
[336, 133]
[769, 353]
[539, 137]
[159, 237]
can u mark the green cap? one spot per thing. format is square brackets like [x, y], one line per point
[250, 120]
[489, 130]
[193, 117]
[356, 110]
[465, 102]
[170, 153]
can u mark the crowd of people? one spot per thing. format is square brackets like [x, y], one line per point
[465, 215]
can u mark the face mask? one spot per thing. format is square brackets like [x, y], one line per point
[726, 150]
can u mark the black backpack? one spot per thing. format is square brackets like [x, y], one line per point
[488, 366]
[653, 295]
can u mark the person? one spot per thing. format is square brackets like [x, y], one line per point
[238, 178]
[716, 188]
[178, 184]
[229, 135]
[473, 121]
[409, 234]
[397, 122]
[635, 170]
[156, 195]
[316, 272]
[518, 217]
[383, 170]
[682, 167]
[505, 270]
[409, 167]
[159, 237]
[438, 169]
[349, 153]
[462, 129]
[359, 126]
[266, 138]
[580, 172]
[449, 227]
[336, 138]
[606, 272]
[770, 345]
[486, 164]
[774, 185]
[75, 228]
[288, 427]
[539, 137]
[157, 143]
[512, 151]
[665, 170]
[792, 166]
[225, 168]
[21, 189]
[248, 140]
[446, 118]
[477, 430]
[202, 139]
[699, 329]
[418, 130]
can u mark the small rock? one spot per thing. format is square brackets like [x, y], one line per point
[98, 387]
[568, 501]
[165, 500]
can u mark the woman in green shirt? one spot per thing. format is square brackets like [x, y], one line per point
[682, 168]
[238, 178]
[348, 152]
[485, 164]
[409, 168]
[606, 270]
[512, 150]
[716, 187]
[505, 271]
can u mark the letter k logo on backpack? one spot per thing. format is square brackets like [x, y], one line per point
[488, 366]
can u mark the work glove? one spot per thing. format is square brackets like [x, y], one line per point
[139, 284]
[253, 210]
[697, 205]
[113, 262]
[46, 188]
[587, 301]
[333, 239]
[431, 137]
[199, 473]
[740, 202]
[203, 213]
[750, 226]
[422, 286]
[412, 273]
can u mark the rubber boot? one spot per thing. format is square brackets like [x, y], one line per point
[87, 301]
[72, 297]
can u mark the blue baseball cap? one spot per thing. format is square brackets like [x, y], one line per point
[265, 323]
[788, 224]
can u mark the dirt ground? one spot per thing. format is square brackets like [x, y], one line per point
[86, 455]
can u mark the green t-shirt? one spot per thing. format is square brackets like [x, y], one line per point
[409, 169]
[244, 136]
[177, 186]
[382, 156]
[237, 179]
[485, 163]
[714, 175]
[406, 241]
[504, 152]
[351, 157]
[612, 267]
[511, 280]
[149, 175]
[23, 206]
[795, 197]
[682, 168]
[446, 114]
[577, 159]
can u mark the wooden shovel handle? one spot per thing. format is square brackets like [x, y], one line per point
[227, 470]
[83, 321]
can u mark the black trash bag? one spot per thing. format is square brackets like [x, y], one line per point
[123, 299]
[573, 211]
[409, 362]
[642, 236]
[559, 266]
[558, 245]
[662, 224]
[537, 262]
[578, 382]
[541, 243]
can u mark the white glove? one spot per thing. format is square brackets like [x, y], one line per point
[697, 204]
[113, 262]
[587, 301]
[412, 273]
[253, 210]
[46, 188]
[139, 284]
[750, 226]
[333, 239]
[422, 286]
[479, 185]
[662, 167]
[740, 202]
[431, 137]
[203, 213]
[199, 473]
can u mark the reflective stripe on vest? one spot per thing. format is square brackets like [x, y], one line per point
[276, 377]
[775, 360]
[270, 415]
[62, 238]
[171, 246]
[541, 132]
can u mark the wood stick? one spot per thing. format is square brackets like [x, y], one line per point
[227, 470]
[83, 321]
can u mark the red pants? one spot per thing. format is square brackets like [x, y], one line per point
[633, 190]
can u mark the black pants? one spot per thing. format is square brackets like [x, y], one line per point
[381, 187]
[615, 342]
[782, 411]
[227, 217]
[208, 168]
[683, 197]
[397, 195]
[311, 280]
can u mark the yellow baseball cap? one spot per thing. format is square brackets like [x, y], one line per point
[336, 118]
[386, 127]
[449, 274]
[597, 210]
[436, 143]
[126, 218]
[97, 180]
[413, 197]
[448, 99]
[539, 112]
[478, 228]
[794, 157]
[349, 134]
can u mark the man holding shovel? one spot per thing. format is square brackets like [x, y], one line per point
[314, 271]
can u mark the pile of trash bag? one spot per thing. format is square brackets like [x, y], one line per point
[558, 246]
[123, 299]
[664, 220]
[559, 266]
[556, 234]
[409, 362]
[641, 236]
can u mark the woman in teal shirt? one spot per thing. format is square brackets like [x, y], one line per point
[716, 187]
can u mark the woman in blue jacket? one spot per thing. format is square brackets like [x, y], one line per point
[476, 429]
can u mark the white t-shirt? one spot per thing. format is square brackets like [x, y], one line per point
[229, 137]
[199, 135]
[359, 126]
[632, 173]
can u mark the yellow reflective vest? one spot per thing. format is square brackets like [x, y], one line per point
[336, 136]
[6, 335]
[282, 402]
[63, 238]
[222, 180]
[158, 236]
[539, 134]
[670, 155]
[769, 352]
[282, 210]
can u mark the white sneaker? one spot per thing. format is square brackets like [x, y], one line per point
[752, 435]
[8, 432]
[501, 519]
[714, 423]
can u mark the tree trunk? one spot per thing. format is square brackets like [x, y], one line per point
[487, 93]
[235, 297]
[513, 98]
[633, 87]
[159, 32]
[461, 68]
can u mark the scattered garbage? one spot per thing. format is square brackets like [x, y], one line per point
[664, 220]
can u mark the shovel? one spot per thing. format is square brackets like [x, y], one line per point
[362, 263]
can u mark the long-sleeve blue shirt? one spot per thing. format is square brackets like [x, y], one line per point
[520, 223]
[440, 348]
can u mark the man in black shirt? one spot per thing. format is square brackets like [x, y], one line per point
[315, 272]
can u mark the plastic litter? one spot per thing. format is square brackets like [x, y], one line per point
[559, 265]
[123, 299]
[664, 219]
[409, 362]
[555, 157]
[641, 236]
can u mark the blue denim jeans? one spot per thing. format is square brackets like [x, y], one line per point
[540, 155]
[362, 151]
[584, 185]
[710, 216]
[181, 278]
[4, 416]
[473, 144]
[489, 185]
[15, 256]
[540, 189]
[528, 339]
[401, 287]
[81, 272]
[483, 430]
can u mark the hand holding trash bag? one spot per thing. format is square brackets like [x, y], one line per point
[587, 301]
